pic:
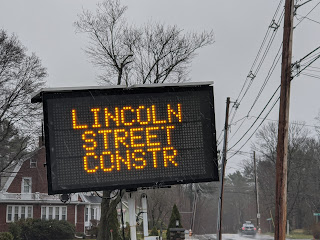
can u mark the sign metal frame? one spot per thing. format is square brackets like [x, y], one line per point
[210, 138]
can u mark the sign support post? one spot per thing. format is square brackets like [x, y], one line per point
[144, 214]
[132, 216]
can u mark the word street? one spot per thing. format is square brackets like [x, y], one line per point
[128, 137]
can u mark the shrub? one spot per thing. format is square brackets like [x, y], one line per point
[93, 231]
[154, 232]
[37, 229]
[126, 231]
[6, 236]
[15, 230]
[307, 231]
[316, 231]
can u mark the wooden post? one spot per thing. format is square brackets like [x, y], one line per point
[256, 189]
[223, 166]
[282, 147]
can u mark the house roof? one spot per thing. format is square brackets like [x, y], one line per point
[11, 171]
[92, 199]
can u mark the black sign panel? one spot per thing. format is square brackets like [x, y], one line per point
[129, 138]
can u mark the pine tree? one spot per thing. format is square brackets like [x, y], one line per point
[175, 215]
[114, 224]
[154, 231]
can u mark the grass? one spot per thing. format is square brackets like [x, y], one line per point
[295, 235]
[299, 236]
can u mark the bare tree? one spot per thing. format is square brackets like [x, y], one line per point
[153, 53]
[20, 76]
[164, 53]
[302, 164]
[160, 203]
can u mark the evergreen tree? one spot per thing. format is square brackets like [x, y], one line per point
[154, 231]
[114, 224]
[175, 215]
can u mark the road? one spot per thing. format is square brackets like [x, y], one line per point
[232, 237]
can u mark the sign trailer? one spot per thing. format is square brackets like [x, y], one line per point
[143, 136]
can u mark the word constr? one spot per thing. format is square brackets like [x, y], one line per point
[140, 141]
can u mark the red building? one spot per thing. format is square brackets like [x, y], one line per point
[24, 194]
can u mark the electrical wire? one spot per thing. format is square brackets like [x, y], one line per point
[307, 64]
[314, 67]
[256, 119]
[291, 123]
[309, 19]
[271, 70]
[262, 60]
[313, 71]
[251, 76]
[310, 75]
[219, 139]
[307, 14]
[255, 129]
[269, 75]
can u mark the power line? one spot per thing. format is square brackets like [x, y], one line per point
[310, 19]
[256, 128]
[252, 76]
[271, 70]
[314, 67]
[274, 103]
[305, 57]
[291, 123]
[307, 14]
[219, 139]
[310, 75]
[273, 25]
[307, 64]
[256, 119]
[313, 71]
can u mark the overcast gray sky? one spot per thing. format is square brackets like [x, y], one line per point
[46, 28]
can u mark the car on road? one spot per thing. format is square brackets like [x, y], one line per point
[248, 229]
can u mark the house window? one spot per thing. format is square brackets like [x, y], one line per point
[56, 212]
[64, 213]
[9, 214]
[50, 212]
[29, 212]
[92, 213]
[43, 213]
[23, 212]
[26, 185]
[33, 163]
[15, 212]
[86, 217]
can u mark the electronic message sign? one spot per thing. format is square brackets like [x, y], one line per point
[129, 137]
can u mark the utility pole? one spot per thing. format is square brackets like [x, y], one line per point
[256, 189]
[282, 147]
[224, 161]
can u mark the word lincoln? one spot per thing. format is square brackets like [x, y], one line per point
[138, 131]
